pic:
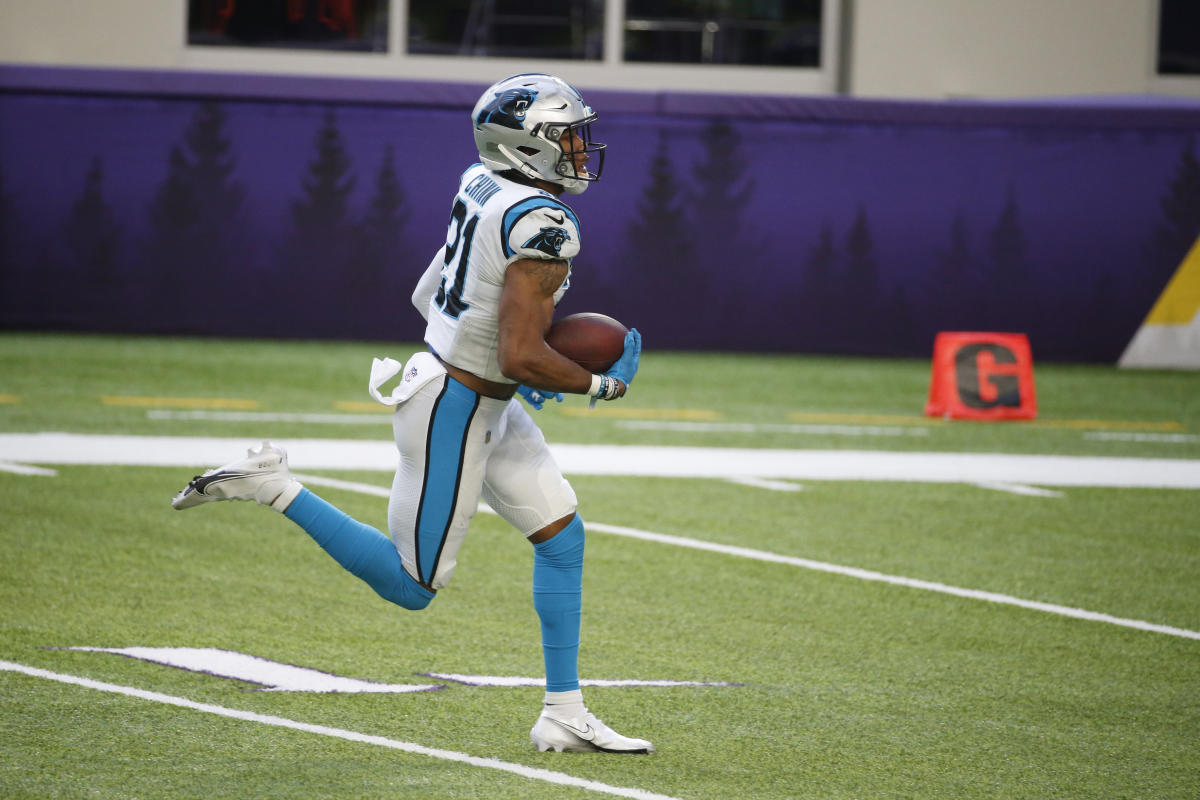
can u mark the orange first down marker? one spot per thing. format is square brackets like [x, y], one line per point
[981, 376]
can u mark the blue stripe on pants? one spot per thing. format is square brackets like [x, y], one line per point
[447, 439]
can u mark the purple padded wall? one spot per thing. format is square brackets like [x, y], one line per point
[215, 204]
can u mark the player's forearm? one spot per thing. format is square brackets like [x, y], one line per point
[427, 285]
[544, 369]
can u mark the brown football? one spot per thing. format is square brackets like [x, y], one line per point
[593, 341]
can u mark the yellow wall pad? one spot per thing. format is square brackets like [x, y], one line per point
[180, 402]
[1180, 301]
[1169, 338]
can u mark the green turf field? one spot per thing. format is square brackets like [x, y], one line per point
[846, 687]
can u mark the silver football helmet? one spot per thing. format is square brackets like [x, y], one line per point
[520, 122]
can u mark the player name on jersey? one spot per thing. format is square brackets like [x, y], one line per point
[481, 188]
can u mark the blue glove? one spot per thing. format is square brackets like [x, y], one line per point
[627, 365]
[536, 398]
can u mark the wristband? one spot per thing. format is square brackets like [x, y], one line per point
[604, 387]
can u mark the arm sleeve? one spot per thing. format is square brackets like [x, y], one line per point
[427, 286]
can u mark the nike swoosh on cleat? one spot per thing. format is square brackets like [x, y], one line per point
[203, 482]
[587, 734]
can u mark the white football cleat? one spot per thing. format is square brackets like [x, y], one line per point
[582, 734]
[262, 475]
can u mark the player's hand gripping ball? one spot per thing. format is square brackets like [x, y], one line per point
[593, 341]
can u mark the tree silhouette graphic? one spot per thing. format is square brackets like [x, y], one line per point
[173, 214]
[377, 251]
[211, 167]
[381, 266]
[6, 208]
[321, 210]
[721, 192]
[197, 238]
[8, 254]
[319, 215]
[820, 268]
[857, 300]
[91, 233]
[862, 271]
[1180, 225]
[318, 250]
[659, 242]
[1011, 301]
[717, 202]
[819, 293]
[952, 288]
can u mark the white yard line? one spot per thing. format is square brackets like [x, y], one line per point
[669, 462]
[764, 483]
[767, 427]
[721, 463]
[271, 675]
[896, 580]
[890, 426]
[25, 469]
[514, 680]
[372, 418]
[1018, 488]
[822, 566]
[1134, 436]
[350, 486]
[532, 773]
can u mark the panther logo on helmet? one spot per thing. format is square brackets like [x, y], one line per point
[549, 240]
[508, 108]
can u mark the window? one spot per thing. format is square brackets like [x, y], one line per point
[346, 25]
[567, 29]
[785, 46]
[758, 32]
[1179, 37]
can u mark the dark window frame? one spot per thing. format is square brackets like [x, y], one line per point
[1177, 52]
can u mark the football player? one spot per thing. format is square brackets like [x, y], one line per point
[488, 297]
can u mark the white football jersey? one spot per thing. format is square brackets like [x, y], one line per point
[494, 222]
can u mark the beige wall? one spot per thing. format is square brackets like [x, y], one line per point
[1001, 48]
[111, 33]
[892, 48]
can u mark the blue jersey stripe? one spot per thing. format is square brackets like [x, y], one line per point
[513, 215]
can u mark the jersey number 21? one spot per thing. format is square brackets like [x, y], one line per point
[451, 302]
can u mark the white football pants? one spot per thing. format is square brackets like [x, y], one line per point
[457, 446]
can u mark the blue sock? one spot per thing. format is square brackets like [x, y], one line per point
[361, 549]
[557, 598]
